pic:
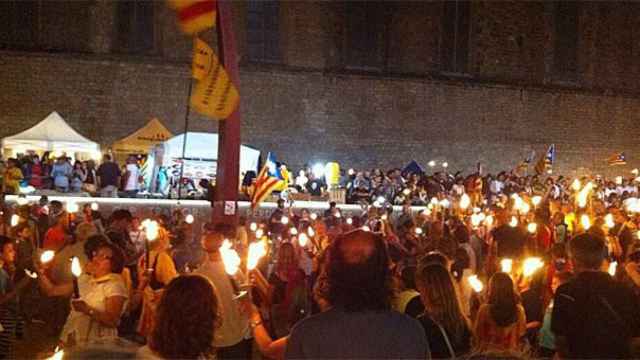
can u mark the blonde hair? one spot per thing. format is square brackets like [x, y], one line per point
[85, 231]
[441, 299]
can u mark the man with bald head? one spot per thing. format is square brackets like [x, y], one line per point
[360, 323]
[233, 338]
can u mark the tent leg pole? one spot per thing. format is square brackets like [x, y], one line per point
[184, 140]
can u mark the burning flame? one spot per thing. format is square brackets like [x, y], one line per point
[576, 185]
[314, 216]
[230, 258]
[419, 231]
[303, 239]
[259, 233]
[150, 228]
[256, 251]
[536, 200]
[349, 221]
[506, 265]
[475, 283]
[613, 266]
[488, 221]
[311, 232]
[15, 219]
[513, 222]
[584, 194]
[293, 231]
[608, 221]
[465, 201]
[532, 227]
[94, 206]
[76, 269]
[445, 203]
[72, 207]
[189, 219]
[253, 226]
[525, 208]
[57, 355]
[284, 220]
[47, 256]
[585, 221]
[366, 228]
[531, 265]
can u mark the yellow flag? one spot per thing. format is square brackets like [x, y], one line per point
[215, 95]
[195, 15]
[203, 59]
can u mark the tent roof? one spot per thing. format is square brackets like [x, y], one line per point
[52, 133]
[141, 140]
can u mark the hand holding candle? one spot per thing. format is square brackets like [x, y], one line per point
[76, 270]
[256, 251]
[151, 230]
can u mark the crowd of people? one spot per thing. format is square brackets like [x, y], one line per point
[30, 173]
[511, 267]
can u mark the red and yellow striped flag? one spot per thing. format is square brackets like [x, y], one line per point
[195, 15]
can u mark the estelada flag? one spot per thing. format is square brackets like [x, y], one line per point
[617, 159]
[546, 161]
[195, 15]
[268, 179]
[215, 96]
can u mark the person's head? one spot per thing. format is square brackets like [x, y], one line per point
[358, 273]
[408, 277]
[434, 257]
[211, 241]
[121, 220]
[107, 258]
[8, 254]
[287, 256]
[440, 298]
[280, 203]
[106, 158]
[503, 299]
[23, 231]
[183, 328]
[84, 231]
[587, 251]
[11, 163]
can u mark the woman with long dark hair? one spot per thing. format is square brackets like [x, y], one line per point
[184, 328]
[447, 328]
[501, 322]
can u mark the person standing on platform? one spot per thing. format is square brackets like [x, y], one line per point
[108, 177]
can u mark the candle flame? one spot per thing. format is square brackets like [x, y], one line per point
[506, 265]
[585, 221]
[445, 203]
[475, 220]
[366, 228]
[230, 258]
[189, 219]
[47, 256]
[293, 231]
[613, 266]
[513, 222]
[475, 283]
[419, 231]
[94, 206]
[256, 251]
[465, 201]
[584, 194]
[284, 220]
[259, 233]
[76, 269]
[311, 232]
[72, 207]
[531, 265]
[349, 221]
[15, 219]
[525, 208]
[488, 221]
[608, 221]
[57, 355]
[314, 216]
[303, 239]
[532, 227]
[253, 226]
[151, 228]
[536, 200]
[576, 185]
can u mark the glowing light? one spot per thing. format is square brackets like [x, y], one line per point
[351, 172]
[584, 194]
[47, 256]
[230, 258]
[531, 265]
[608, 221]
[303, 239]
[525, 208]
[481, 216]
[381, 199]
[465, 201]
[22, 200]
[419, 231]
[532, 227]
[475, 283]
[431, 163]
[475, 220]
[366, 228]
[318, 170]
[94, 206]
[506, 265]
[349, 221]
[338, 214]
[445, 203]
[536, 200]
[256, 251]
[151, 228]
[253, 227]
[26, 189]
[314, 216]
[406, 192]
[513, 222]
[488, 221]
[76, 269]
[284, 220]
[293, 231]
[576, 185]
[618, 180]
[445, 164]
[15, 220]
[384, 217]
[634, 172]
[189, 219]
[259, 233]
[311, 232]
[57, 355]
[434, 201]
[613, 266]
[72, 207]
[585, 222]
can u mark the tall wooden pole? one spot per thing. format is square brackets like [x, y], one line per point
[228, 172]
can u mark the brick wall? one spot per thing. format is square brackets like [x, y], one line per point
[307, 109]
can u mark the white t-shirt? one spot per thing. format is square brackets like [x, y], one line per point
[132, 180]
[235, 325]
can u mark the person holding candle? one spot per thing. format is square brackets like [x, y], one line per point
[234, 336]
[12, 282]
[103, 297]
[160, 271]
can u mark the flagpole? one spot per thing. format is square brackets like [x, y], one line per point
[184, 138]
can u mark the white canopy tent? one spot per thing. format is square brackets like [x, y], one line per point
[203, 147]
[51, 134]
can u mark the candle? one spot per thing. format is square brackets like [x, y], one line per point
[475, 283]
[150, 228]
[47, 256]
[15, 219]
[465, 201]
[532, 227]
[303, 239]
[76, 270]
[57, 355]
[506, 265]
[531, 265]
[613, 266]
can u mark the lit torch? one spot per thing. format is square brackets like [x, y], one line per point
[475, 283]
[506, 265]
[76, 270]
[231, 262]
[256, 252]
[151, 229]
